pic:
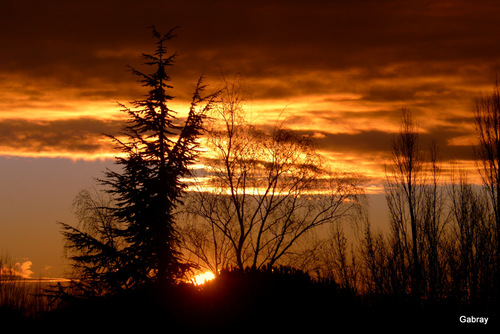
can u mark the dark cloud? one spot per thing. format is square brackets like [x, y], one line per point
[78, 136]
[378, 143]
[76, 41]
[65, 136]
[371, 142]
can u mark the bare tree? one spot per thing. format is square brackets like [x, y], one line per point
[376, 262]
[433, 229]
[340, 258]
[472, 251]
[266, 189]
[487, 121]
[404, 189]
[205, 244]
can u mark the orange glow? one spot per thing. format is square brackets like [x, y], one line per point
[203, 278]
[102, 155]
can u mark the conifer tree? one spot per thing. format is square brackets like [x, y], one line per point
[156, 153]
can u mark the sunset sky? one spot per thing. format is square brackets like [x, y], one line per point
[337, 70]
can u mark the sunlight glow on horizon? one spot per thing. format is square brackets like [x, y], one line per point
[100, 156]
[202, 278]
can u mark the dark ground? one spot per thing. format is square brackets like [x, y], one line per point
[238, 302]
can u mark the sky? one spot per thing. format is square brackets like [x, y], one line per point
[339, 71]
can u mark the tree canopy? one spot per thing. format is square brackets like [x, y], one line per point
[156, 151]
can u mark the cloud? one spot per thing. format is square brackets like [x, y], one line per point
[84, 135]
[345, 68]
[76, 42]
[24, 269]
[18, 270]
[369, 151]
[75, 137]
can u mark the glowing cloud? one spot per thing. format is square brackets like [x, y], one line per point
[18, 270]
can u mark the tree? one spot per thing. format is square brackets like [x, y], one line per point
[266, 191]
[95, 245]
[377, 263]
[404, 192]
[471, 253]
[156, 151]
[340, 264]
[433, 227]
[487, 122]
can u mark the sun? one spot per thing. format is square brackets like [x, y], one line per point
[203, 278]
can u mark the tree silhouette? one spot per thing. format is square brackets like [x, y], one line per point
[404, 190]
[268, 189]
[487, 122]
[95, 246]
[156, 151]
[472, 247]
[433, 229]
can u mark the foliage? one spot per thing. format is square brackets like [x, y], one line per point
[134, 241]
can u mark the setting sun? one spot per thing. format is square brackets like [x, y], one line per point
[203, 278]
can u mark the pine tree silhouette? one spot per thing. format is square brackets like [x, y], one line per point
[156, 152]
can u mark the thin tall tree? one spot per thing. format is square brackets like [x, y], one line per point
[403, 192]
[487, 122]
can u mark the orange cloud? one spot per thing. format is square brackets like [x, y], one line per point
[79, 136]
[341, 75]
[19, 270]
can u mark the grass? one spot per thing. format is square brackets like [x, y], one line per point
[21, 298]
